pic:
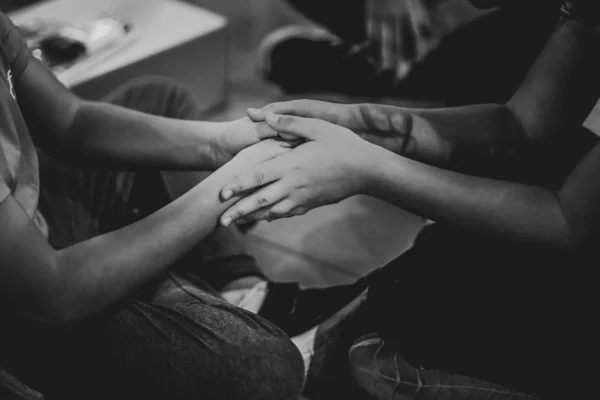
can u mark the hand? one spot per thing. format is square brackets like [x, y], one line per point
[330, 166]
[401, 33]
[346, 115]
[232, 137]
[248, 158]
[385, 127]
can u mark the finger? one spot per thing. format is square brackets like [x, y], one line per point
[300, 108]
[282, 209]
[285, 209]
[257, 177]
[255, 114]
[295, 142]
[264, 214]
[290, 126]
[262, 151]
[263, 198]
[289, 137]
[264, 131]
[254, 155]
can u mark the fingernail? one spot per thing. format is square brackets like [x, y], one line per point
[253, 110]
[227, 194]
[226, 221]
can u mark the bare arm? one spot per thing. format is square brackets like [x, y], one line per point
[557, 95]
[49, 287]
[334, 164]
[88, 132]
[565, 219]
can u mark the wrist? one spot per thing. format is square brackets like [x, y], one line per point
[206, 196]
[216, 151]
[370, 164]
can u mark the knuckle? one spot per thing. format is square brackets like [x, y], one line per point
[281, 209]
[273, 106]
[258, 178]
[237, 187]
[262, 201]
[264, 130]
[236, 215]
[284, 120]
[241, 214]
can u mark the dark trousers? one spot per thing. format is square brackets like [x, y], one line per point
[174, 339]
[470, 317]
[484, 61]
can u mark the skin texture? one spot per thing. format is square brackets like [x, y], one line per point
[557, 95]
[552, 102]
[55, 289]
[100, 133]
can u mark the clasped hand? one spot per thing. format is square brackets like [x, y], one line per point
[328, 163]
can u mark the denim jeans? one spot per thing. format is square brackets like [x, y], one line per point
[163, 342]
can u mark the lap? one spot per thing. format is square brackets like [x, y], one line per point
[188, 350]
[178, 347]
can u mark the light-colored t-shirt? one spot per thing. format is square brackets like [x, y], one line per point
[19, 175]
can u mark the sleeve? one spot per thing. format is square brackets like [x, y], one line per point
[14, 45]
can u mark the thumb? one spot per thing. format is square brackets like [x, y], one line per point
[256, 114]
[292, 128]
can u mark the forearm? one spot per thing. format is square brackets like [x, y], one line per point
[556, 96]
[97, 272]
[502, 209]
[443, 136]
[109, 135]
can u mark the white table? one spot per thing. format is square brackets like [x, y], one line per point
[169, 38]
